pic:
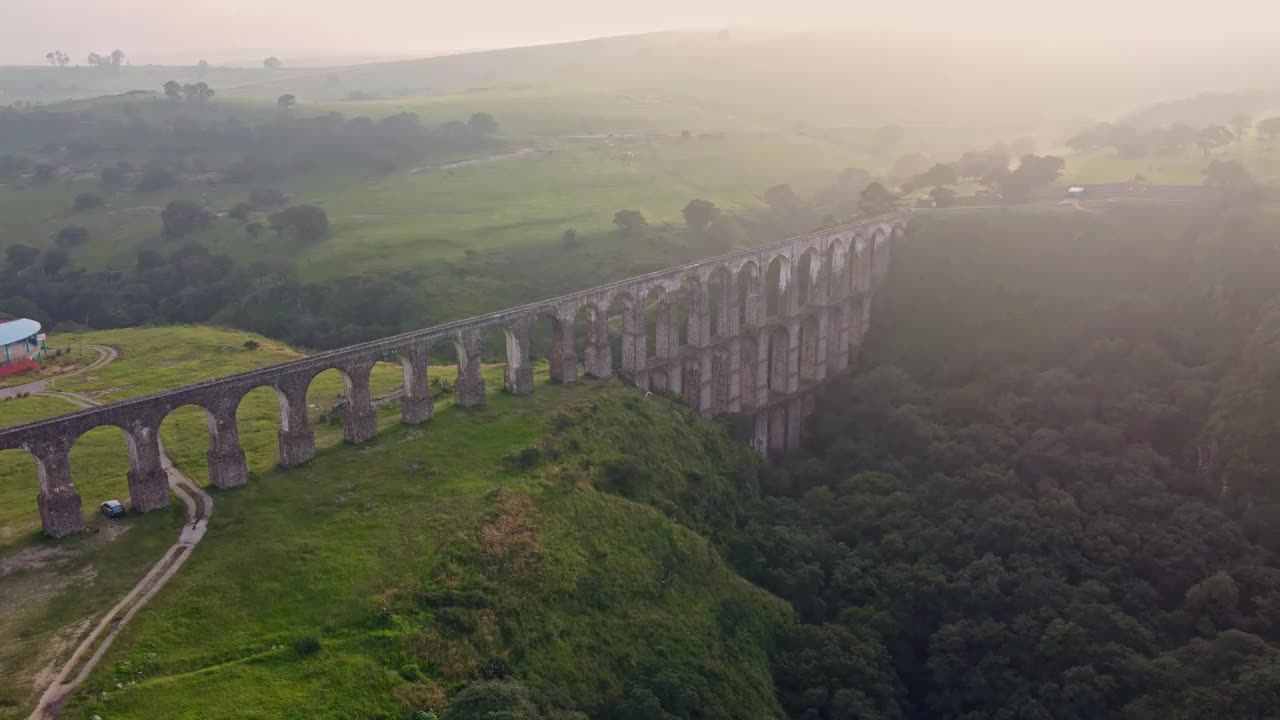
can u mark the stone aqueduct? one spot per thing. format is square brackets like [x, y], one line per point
[751, 363]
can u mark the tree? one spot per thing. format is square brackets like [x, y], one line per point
[95, 60]
[53, 261]
[72, 235]
[86, 201]
[156, 177]
[173, 90]
[725, 233]
[569, 239]
[240, 211]
[977, 164]
[286, 101]
[1032, 174]
[1213, 137]
[251, 345]
[307, 223]
[1269, 128]
[483, 124]
[1241, 124]
[117, 58]
[58, 58]
[183, 217]
[20, 257]
[272, 63]
[1227, 174]
[699, 214]
[782, 198]
[939, 174]
[875, 199]
[630, 222]
[493, 700]
[202, 69]
[198, 92]
[942, 197]
[149, 259]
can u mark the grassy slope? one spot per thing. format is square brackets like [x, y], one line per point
[404, 555]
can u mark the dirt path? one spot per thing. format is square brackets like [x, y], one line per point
[199, 508]
[106, 355]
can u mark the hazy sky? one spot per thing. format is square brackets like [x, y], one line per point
[159, 30]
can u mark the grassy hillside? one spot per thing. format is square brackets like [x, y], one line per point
[417, 557]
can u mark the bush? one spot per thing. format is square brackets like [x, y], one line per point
[156, 177]
[630, 221]
[570, 238]
[525, 459]
[72, 235]
[241, 211]
[87, 201]
[495, 668]
[251, 345]
[493, 699]
[308, 644]
[625, 476]
[183, 217]
[307, 223]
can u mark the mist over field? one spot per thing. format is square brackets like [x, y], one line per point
[957, 400]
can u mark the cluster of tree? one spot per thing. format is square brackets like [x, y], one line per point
[1005, 517]
[112, 60]
[195, 92]
[58, 58]
[1134, 141]
[991, 168]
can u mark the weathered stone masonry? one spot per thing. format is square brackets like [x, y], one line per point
[749, 360]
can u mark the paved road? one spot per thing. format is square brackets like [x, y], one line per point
[199, 508]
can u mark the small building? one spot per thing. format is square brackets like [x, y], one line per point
[22, 344]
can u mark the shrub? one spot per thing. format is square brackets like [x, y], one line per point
[308, 223]
[72, 235]
[625, 476]
[86, 201]
[630, 221]
[495, 668]
[241, 211]
[570, 238]
[308, 644]
[525, 459]
[182, 217]
[251, 344]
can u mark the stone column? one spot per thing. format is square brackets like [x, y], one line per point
[733, 366]
[795, 418]
[728, 326]
[598, 358]
[760, 433]
[297, 441]
[227, 467]
[699, 334]
[633, 342]
[667, 341]
[808, 351]
[793, 354]
[359, 421]
[416, 407]
[838, 343]
[824, 317]
[518, 378]
[563, 361]
[61, 512]
[148, 481]
[469, 387]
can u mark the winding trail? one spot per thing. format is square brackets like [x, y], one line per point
[95, 645]
[106, 356]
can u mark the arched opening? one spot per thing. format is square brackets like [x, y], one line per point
[100, 464]
[777, 429]
[19, 512]
[724, 310]
[750, 296]
[627, 344]
[546, 353]
[778, 288]
[804, 278]
[691, 380]
[261, 414]
[832, 268]
[326, 399]
[186, 435]
[662, 339]
[693, 312]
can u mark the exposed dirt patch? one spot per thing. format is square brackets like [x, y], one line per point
[509, 540]
[57, 647]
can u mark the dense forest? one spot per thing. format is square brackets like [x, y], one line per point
[1047, 492]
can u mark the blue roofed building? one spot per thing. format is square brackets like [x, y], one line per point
[22, 345]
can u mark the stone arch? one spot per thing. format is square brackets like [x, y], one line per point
[721, 370]
[551, 339]
[809, 332]
[517, 378]
[807, 268]
[98, 466]
[725, 302]
[191, 427]
[860, 255]
[261, 401]
[21, 462]
[693, 311]
[747, 368]
[777, 429]
[626, 336]
[778, 288]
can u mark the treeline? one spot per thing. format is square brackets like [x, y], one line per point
[1006, 514]
[192, 138]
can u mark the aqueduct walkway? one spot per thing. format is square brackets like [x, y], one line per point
[762, 353]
